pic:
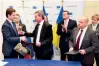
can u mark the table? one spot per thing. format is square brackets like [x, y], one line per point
[24, 62]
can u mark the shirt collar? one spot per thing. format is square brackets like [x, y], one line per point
[9, 20]
[84, 29]
[41, 22]
[94, 24]
[67, 20]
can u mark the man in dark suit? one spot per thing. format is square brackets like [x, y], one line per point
[85, 41]
[64, 30]
[95, 27]
[42, 37]
[10, 35]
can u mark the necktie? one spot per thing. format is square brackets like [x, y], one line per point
[78, 40]
[14, 28]
[37, 27]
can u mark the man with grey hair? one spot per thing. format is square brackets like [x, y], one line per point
[85, 41]
[43, 37]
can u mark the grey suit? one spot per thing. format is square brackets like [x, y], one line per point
[96, 54]
[97, 29]
[89, 44]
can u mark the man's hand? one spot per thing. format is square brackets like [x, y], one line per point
[23, 38]
[21, 32]
[82, 51]
[64, 28]
[38, 44]
[71, 49]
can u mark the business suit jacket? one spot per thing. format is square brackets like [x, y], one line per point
[89, 44]
[46, 38]
[97, 29]
[64, 36]
[10, 37]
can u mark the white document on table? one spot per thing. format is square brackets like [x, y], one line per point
[3, 63]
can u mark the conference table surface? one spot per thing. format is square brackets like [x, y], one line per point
[24, 62]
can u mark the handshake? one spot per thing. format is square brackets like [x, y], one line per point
[21, 33]
[23, 39]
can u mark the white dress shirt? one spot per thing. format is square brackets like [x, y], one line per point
[94, 26]
[39, 31]
[82, 36]
[66, 22]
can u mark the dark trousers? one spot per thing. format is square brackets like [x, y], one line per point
[97, 58]
[44, 58]
[63, 55]
[64, 47]
[13, 54]
[87, 64]
[47, 56]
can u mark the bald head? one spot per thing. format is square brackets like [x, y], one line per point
[83, 22]
[84, 19]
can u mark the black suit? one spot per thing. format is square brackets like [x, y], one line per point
[64, 37]
[96, 54]
[45, 51]
[89, 44]
[10, 39]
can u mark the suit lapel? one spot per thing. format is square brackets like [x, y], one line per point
[85, 36]
[69, 23]
[14, 30]
[62, 23]
[90, 26]
[75, 35]
[97, 28]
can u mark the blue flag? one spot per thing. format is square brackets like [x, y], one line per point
[44, 10]
[60, 18]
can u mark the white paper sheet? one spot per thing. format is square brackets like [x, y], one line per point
[3, 63]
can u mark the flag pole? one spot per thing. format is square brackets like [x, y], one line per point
[62, 2]
[43, 2]
[23, 4]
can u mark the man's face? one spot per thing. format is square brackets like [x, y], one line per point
[38, 18]
[16, 19]
[94, 20]
[82, 23]
[12, 16]
[65, 15]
